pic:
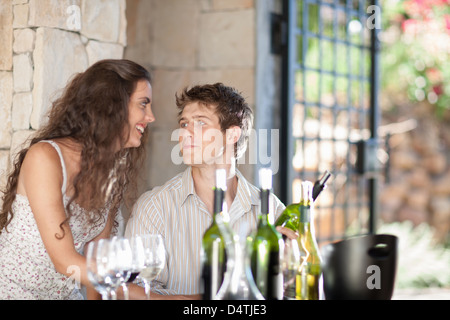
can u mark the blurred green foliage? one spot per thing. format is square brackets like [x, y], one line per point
[422, 261]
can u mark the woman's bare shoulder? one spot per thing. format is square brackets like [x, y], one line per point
[42, 151]
[42, 156]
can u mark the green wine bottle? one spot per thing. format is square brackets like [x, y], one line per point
[213, 252]
[267, 247]
[290, 217]
[308, 281]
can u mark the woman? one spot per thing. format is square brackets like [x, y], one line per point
[65, 189]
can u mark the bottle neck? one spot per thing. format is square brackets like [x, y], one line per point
[306, 223]
[264, 212]
[307, 235]
[219, 195]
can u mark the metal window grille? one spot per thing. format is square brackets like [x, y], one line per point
[330, 109]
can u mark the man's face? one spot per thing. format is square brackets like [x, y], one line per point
[201, 138]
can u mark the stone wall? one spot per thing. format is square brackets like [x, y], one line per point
[418, 184]
[43, 43]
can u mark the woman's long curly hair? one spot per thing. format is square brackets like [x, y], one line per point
[93, 111]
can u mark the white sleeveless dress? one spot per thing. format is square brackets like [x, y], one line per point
[26, 270]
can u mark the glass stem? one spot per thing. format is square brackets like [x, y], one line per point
[106, 295]
[113, 294]
[147, 289]
[126, 294]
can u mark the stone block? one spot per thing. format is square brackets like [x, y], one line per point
[418, 199]
[419, 178]
[20, 140]
[175, 33]
[54, 13]
[4, 169]
[6, 90]
[435, 163]
[59, 48]
[100, 50]
[4, 162]
[139, 44]
[159, 156]
[227, 39]
[24, 40]
[441, 216]
[21, 111]
[165, 84]
[416, 216]
[21, 16]
[23, 72]
[100, 20]
[123, 25]
[242, 79]
[404, 160]
[221, 5]
[6, 35]
[441, 187]
[231, 4]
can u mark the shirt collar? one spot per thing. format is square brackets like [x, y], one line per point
[187, 184]
[247, 195]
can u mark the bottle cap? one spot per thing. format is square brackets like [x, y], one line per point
[307, 187]
[221, 179]
[265, 178]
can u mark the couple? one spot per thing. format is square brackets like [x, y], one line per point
[66, 187]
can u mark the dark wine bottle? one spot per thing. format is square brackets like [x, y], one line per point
[213, 245]
[267, 247]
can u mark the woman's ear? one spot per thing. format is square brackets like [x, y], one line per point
[233, 134]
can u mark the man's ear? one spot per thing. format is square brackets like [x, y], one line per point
[233, 134]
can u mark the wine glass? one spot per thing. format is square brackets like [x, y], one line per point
[137, 261]
[290, 265]
[101, 262]
[123, 261]
[155, 258]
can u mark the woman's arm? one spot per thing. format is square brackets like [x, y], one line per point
[41, 178]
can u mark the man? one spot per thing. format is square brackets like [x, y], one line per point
[214, 128]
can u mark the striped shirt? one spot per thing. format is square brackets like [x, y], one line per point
[176, 212]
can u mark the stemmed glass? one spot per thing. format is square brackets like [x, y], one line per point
[155, 258]
[290, 265]
[108, 262]
[100, 268]
[123, 261]
[137, 261]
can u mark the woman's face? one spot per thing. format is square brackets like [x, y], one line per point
[139, 113]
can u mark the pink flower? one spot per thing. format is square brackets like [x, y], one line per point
[434, 75]
[447, 22]
[438, 89]
[410, 26]
[418, 8]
